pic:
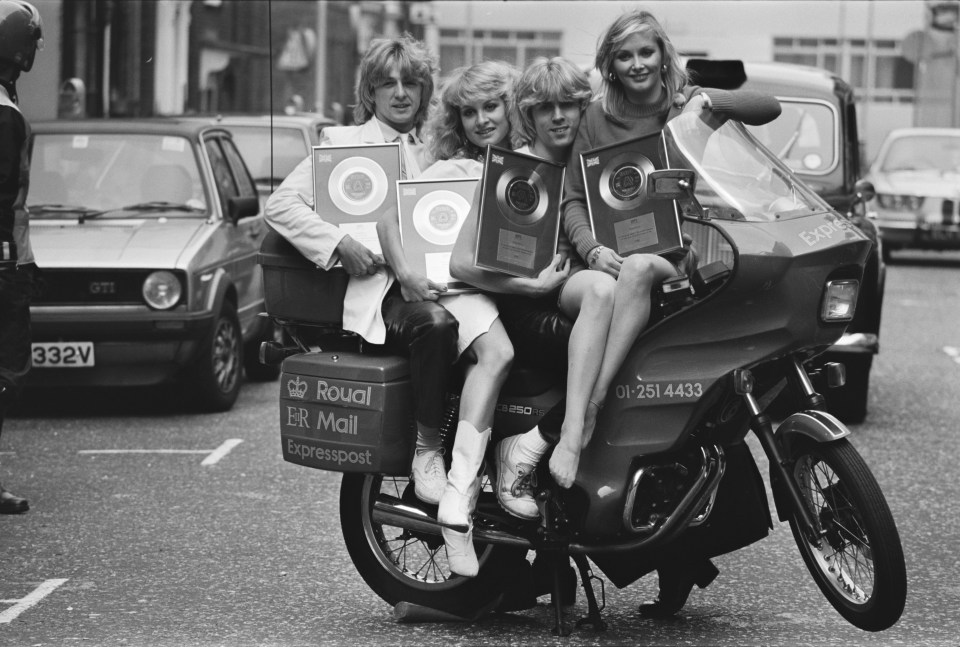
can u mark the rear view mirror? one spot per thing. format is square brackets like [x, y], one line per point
[865, 190]
[671, 184]
[238, 208]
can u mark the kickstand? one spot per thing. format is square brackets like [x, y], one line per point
[593, 611]
[559, 561]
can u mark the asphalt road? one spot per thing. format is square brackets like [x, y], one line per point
[211, 541]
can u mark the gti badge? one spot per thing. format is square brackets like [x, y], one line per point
[102, 287]
[297, 388]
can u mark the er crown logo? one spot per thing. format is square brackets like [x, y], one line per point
[324, 159]
[297, 389]
[497, 159]
[593, 161]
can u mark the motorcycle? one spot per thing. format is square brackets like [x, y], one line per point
[774, 284]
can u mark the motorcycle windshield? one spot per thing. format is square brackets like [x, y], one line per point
[738, 178]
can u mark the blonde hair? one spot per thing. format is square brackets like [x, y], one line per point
[486, 80]
[611, 94]
[543, 81]
[414, 61]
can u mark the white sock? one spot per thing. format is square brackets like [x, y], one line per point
[427, 439]
[531, 447]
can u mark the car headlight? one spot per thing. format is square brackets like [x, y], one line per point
[162, 290]
[900, 202]
[839, 300]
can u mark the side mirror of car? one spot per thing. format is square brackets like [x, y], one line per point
[865, 191]
[239, 208]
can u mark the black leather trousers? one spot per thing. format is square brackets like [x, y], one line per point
[426, 333]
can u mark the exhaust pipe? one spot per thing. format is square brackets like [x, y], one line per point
[391, 511]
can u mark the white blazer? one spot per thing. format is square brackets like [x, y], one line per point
[290, 211]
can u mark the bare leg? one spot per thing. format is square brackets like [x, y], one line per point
[494, 354]
[481, 385]
[631, 312]
[588, 299]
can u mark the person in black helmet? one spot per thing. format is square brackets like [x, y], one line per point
[21, 35]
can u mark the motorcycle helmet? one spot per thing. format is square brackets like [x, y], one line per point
[21, 33]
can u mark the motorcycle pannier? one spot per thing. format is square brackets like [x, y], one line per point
[295, 288]
[333, 412]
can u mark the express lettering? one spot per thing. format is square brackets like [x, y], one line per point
[333, 393]
[823, 232]
[337, 456]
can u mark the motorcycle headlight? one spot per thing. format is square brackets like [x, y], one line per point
[162, 290]
[900, 202]
[839, 300]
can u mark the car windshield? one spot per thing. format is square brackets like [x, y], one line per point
[738, 178]
[114, 175]
[923, 153]
[804, 136]
[287, 149]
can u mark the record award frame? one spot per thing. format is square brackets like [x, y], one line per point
[622, 216]
[519, 213]
[354, 185]
[431, 213]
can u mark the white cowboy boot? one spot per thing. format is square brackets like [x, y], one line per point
[460, 497]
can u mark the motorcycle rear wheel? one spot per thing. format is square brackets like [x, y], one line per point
[406, 566]
[859, 564]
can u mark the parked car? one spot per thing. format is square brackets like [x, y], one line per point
[273, 146]
[147, 233]
[917, 180]
[816, 136]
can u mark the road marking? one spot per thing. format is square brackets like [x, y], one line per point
[221, 451]
[953, 352]
[24, 603]
[213, 455]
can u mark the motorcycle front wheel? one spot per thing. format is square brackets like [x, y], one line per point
[403, 565]
[858, 561]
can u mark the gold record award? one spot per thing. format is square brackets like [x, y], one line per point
[431, 214]
[353, 186]
[519, 212]
[622, 215]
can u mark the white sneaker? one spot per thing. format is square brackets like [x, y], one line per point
[455, 509]
[515, 482]
[429, 474]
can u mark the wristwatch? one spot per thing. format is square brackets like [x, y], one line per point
[594, 255]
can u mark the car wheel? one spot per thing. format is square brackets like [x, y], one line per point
[849, 402]
[251, 355]
[217, 373]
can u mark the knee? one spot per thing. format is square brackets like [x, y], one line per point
[637, 271]
[496, 354]
[600, 293]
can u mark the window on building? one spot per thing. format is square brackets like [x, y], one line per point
[875, 69]
[517, 47]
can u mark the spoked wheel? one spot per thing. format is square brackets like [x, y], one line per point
[858, 562]
[402, 564]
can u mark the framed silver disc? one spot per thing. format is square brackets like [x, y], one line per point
[623, 181]
[439, 215]
[522, 196]
[357, 186]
